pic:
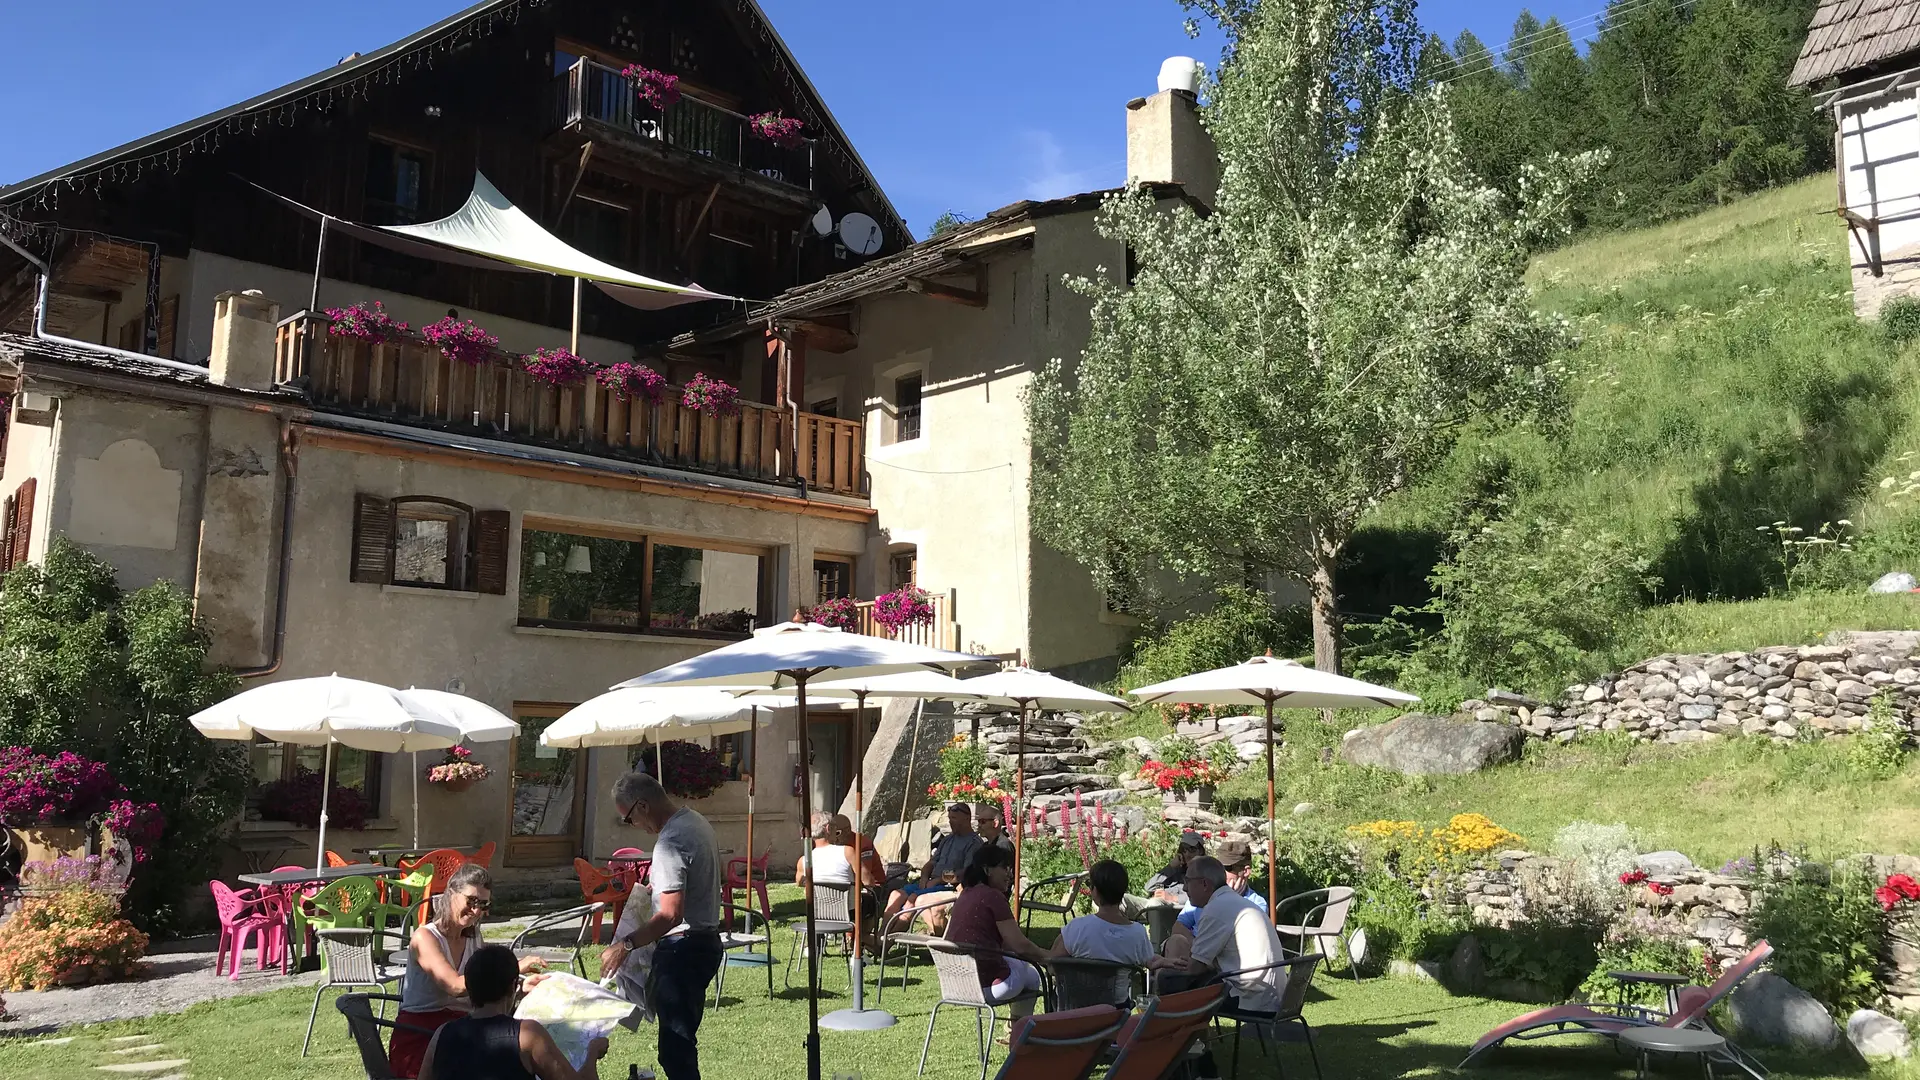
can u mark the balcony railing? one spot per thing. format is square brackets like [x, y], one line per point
[408, 381]
[941, 633]
[588, 91]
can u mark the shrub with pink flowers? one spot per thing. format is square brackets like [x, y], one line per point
[654, 89]
[44, 789]
[364, 322]
[841, 613]
[711, 396]
[557, 367]
[779, 130]
[906, 606]
[625, 380]
[298, 801]
[458, 766]
[460, 340]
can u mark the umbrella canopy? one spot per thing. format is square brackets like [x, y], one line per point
[774, 656]
[315, 712]
[923, 685]
[647, 714]
[478, 721]
[1286, 683]
[1039, 690]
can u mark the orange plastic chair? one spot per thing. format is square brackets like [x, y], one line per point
[598, 886]
[336, 860]
[444, 862]
[1060, 1046]
[484, 856]
[1157, 1037]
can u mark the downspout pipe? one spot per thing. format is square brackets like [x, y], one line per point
[290, 461]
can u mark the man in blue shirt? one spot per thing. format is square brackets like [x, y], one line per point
[1237, 857]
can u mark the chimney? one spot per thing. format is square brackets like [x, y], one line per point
[1165, 142]
[243, 340]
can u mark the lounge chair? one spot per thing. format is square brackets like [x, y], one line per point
[1159, 1037]
[1608, 1021]
[1060, 1046]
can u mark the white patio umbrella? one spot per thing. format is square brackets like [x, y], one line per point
[633, 715]
[790, 655]
[328, 710]
[478, 721]
[1030, 689]
[1270, 681]
[923, 685]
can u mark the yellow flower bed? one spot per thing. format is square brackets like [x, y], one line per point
[1415, 847]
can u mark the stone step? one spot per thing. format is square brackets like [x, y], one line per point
[133, 1068]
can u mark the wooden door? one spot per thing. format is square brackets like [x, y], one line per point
[548, 808]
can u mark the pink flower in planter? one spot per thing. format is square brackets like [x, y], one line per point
[905, 606]
[633, 381]
[557, 367]
[363, 323]
[710, 396]
[656, 89]
[782, 131]
[460, 340]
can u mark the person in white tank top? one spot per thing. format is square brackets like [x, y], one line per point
[435, 989]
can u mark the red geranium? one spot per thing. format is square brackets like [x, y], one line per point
[1660, 888]
[1633, 877]
[1899, 887]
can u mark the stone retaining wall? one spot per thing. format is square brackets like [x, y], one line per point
[1781, 692]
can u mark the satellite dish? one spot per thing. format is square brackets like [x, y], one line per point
[861, 234]
[823, 221]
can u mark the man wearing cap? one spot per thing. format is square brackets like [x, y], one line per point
[951, 854]
[1170, 884]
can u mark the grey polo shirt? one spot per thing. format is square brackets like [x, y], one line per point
[684, 861]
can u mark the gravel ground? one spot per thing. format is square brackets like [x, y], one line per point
[180, 973]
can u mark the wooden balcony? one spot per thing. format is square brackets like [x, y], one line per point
[941, 633]
[597, 100]
[408, 381]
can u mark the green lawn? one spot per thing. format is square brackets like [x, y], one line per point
[1377, 1029]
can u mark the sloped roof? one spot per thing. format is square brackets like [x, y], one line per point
[1848, 35]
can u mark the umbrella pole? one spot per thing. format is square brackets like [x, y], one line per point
[813, 953]
[659, 755]
[753, 764]
[574, 342]
[416, 798]
[1020, 806]
[1272, 912]
[859, 1017]
[326, 786]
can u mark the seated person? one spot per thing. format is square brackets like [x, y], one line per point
[951, 854]
[1237, 857]
[1167, 886]
[1107, 934]
[1232, 935]
[435, 989]
[488, 1043]
[986, 821]
[983, 918]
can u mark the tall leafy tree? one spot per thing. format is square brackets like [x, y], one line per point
[1284, 363]
[114, 676]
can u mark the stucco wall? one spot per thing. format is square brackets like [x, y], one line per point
[30, 457]
[208, 275]
[1881, 180]
[127, 482]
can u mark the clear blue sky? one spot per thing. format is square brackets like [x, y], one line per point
[955, 106]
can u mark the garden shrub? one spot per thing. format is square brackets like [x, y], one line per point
[1556, 949]
[1408, 847]
[1310, 856]
[964, 773]
[1826, 932]
[71, 933]
[1399, 924]
[1900, 319]
[1143, 854]
[1632, 950]
[1879, 752]
[1242, 623]
[1600, 852]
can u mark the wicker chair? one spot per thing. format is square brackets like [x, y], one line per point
[960, 987]
[832, 921]
[1323, 924]
[1074, 888]
[1079, 983]
[365, 1028]
[350, 962]
[893, 931]
[1292, 997]
[586, 915]
[744, 948]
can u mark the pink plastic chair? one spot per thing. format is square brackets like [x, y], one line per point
[633, 873]
[241, 917]
[737, 879]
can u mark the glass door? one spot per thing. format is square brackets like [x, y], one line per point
[830, 760]
[549, 795]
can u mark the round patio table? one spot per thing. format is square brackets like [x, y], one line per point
[1644, 1041]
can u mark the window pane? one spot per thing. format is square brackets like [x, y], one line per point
[585, 581]
[268, 761]
[695, 589]
[428, 543]
[903, 568]
[543, 783]
[907, 394]
[832, 580]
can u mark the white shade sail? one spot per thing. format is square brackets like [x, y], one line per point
[1025, 686]
[768, 658]
[1285, 683]
[478, 721]
[636, 715]
[314, 712]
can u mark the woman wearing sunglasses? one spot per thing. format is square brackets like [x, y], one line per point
[435, 990]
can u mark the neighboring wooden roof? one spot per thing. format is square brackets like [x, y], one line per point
[1847, 35]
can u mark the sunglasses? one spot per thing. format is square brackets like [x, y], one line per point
[627, 818]
[476, 902]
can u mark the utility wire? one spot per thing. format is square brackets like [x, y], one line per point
[1618, 13]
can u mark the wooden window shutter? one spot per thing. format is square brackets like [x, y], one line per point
[6, 536]
[492, 530]
[372, 540]
[169, 326]
[23, 520]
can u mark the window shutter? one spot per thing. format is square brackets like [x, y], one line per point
[23, 520]
[491, 532]
[169, 324]
[372, 540]
[6, 536]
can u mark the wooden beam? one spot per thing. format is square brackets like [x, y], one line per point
[586, 155]
[699, 220]
[826, 338]
[96, 293]
[974, 297]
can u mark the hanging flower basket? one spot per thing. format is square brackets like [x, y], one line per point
[458, 771]
[625, 380]
[655, 89]
[903, 607]
[782, 131]
[710, 396]
[557, 367]
[361, 322]
[460, 340]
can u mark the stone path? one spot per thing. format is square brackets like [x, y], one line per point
[138, 1056]
[180, 974]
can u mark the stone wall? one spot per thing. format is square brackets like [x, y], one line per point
[1781, 692]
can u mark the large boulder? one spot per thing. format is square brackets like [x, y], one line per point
[1418, 745]
[1877, 1035]
[1770, 1011]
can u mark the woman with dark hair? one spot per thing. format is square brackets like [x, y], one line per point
[435, 990]
[1107, 934]
[489, 1044]
[982, 918]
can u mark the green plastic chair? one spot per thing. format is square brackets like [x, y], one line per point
[344, 905]
[404, 899]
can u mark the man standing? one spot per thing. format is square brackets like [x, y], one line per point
[686, 918]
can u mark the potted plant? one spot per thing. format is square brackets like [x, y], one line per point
[909, 605]
[1183, 774]
[711, 396]
[726, 622]
[68, 930]
[460, 340]
[691, 771]
[297, 801]
[781, 131]
[625, 380]
[841, 614]
[557, 367]
[458, 771]
[363, 322]
[654, 89]
[55, 800]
